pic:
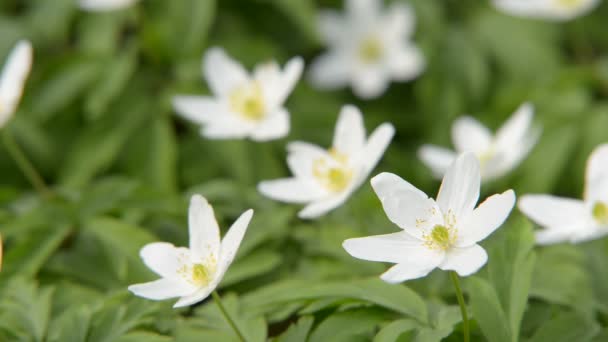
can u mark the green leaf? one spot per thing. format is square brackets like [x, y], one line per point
[25, 309]
[566, 327]
[394, 297]
[255, 264]
[299, 331]
[392, 331]
[352, 325]
[31, 252]
[487, 310]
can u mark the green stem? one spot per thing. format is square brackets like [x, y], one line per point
[463, 306]
[218, 301]
[24, 164]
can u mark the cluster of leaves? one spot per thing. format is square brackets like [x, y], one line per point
[97, 121]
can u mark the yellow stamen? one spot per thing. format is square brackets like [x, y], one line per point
[370, 50]
[600, 212]
[248, 101]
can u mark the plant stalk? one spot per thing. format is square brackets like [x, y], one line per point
[463, 306]
[28, 169]
[218, 301]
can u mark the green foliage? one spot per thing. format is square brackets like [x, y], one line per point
[97, 122]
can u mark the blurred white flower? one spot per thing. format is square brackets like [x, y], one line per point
[12, 80]
[559, 10]
[325, 179]
[573, 220]
[192, 273]
[368, 47]
[440, 234]
[244, 105]
[105, 5]
[497, 154]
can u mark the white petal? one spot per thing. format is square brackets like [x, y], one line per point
[104, 5]
[408, 271]
[12, 81]
[275, 126]
[406, 63]
[195, 297]
[162, 289]
[323, 206]
[386, 184]
[203, 229]
[399, 21]
[222, 72]
[486, 218]
[330, 71]
[289, 78]
[596, 174]
[370, 81]
[198, 109]
[332, 27]
[363, 11]
[374, 148]
[163, 258]
[436, 158]
[349, 134]
[514, 130]
[469, 135]
[551, 236]
[550, 9]
[459, 189]
[406, 206]
[232, 241]
[465, 261]
[397, 248]
[227, 127]
[555, 212]
[301, 158]
[291, 190]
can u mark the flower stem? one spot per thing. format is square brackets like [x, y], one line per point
[25, 165]
[218, 301]
[463, 307]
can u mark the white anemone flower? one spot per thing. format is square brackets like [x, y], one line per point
[572, 220]
[105, 5]
[497, 155]
[192, 273]
[243, 105]
[368, 47]
[324, 179]
[442, 233]
[557, 10]
[12, 79]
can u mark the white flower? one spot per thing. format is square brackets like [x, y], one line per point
[368, 47]
[105, 5]
[559, 10]
[440, 234]
[325, 179]
[497, 154]
[192, 273]
[573, 220]
[12, 80]
[244, 105]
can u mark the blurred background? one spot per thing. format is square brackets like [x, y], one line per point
[96, 120]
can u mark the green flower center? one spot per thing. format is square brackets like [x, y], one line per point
[600, 212]
[248, 101]
[200, 275]
[370, 50]
[441, 237]
[335, 178]
[568, 3]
